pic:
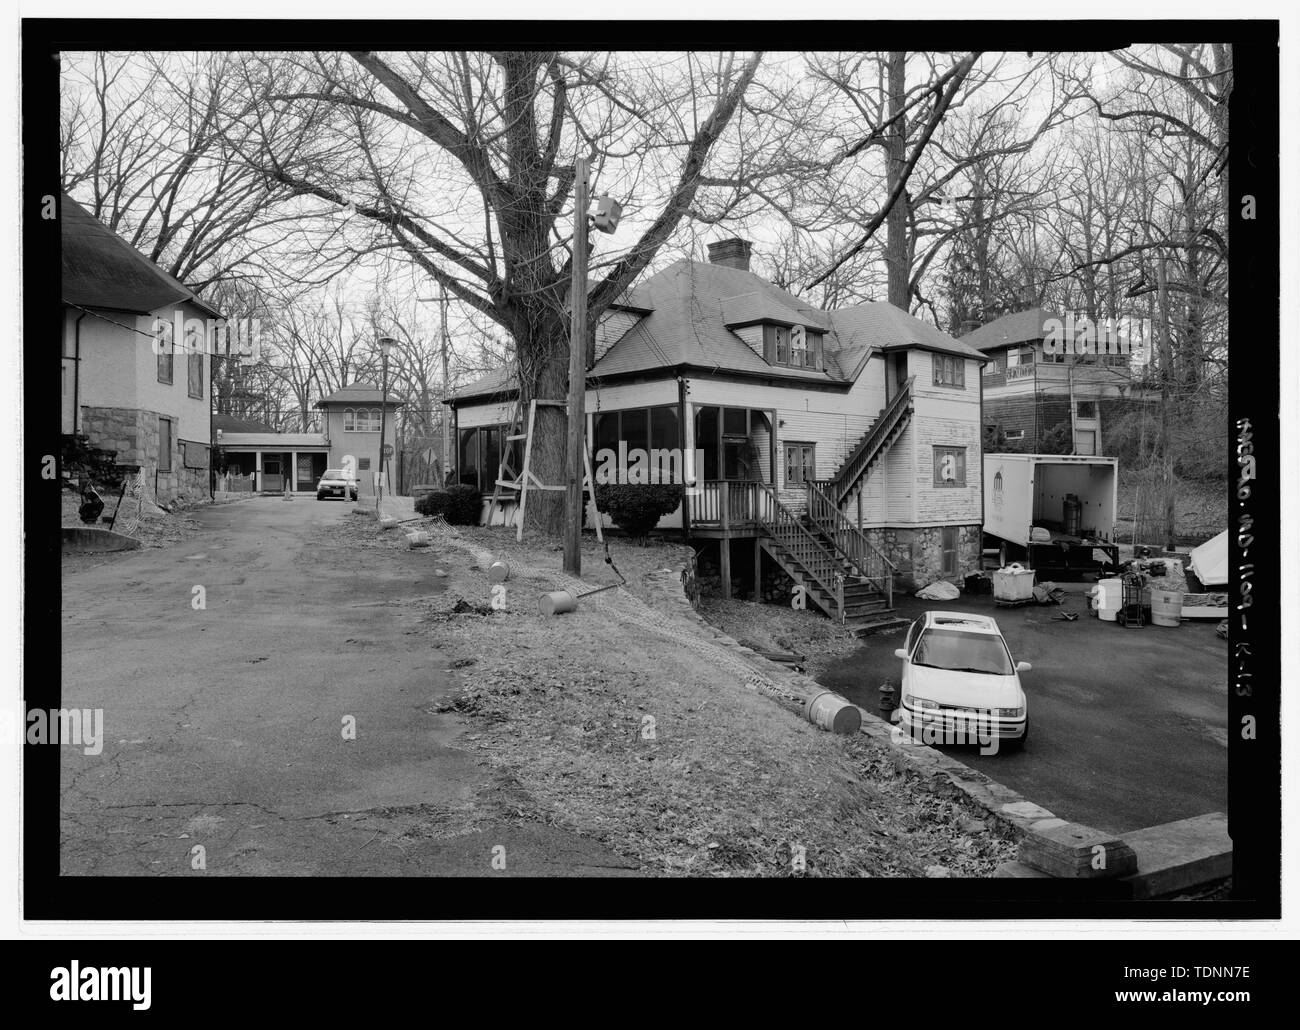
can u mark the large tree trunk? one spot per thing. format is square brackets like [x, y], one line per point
[543, 362]
[896, 262]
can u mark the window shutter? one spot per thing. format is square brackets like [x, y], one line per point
[769, 344]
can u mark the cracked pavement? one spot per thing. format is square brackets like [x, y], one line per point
[223, 727]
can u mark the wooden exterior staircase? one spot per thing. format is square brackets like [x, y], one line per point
[841, 572]
[873, 446]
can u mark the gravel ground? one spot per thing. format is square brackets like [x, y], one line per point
[622, 733]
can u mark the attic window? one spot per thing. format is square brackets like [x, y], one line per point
[795, 347]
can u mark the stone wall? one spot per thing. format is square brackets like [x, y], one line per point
[133, 434]
[918, 553]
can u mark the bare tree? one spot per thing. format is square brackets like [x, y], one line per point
[463, 159]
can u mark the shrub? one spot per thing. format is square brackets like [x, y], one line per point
[459, 504]
[636, 509]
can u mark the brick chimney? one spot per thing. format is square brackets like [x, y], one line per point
[733, 253]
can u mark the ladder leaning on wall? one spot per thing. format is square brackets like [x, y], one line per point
[518, 484]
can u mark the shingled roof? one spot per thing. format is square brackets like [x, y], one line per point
[357, 393]
[1012, 328]
[693, 307]
[101, 270]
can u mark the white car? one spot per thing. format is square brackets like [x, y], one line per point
[960, 684]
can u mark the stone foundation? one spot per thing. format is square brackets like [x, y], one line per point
[133, 434]
[918, 553]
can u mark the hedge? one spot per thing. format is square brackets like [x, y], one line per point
[459, 504]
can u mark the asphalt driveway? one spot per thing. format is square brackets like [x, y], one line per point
[224, 725]
[1128, 726]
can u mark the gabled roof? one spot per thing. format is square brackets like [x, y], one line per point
[501, 380]
[1012, 328]
[357, 393]
[688, 328]
[694, 307]
[878, 324]
[101, 270]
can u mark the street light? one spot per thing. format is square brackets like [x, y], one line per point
[604, 216]
[386, 344]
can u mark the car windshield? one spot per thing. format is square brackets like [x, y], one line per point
[963, 652]
[334, 474]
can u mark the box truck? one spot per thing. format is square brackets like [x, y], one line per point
[1052, 512]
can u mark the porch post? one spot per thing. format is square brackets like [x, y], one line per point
[758, 570]
[293, 482]
[257, 474]
[724, 549]
[771, 446]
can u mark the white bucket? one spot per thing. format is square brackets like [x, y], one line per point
[498, 571]
[1109, 599]
[1166, 607]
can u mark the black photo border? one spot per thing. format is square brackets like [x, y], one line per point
[1254, 764]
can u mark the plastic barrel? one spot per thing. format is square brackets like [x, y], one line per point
[498, 571]
[831, 712]
[1166, 607]
[557, 602]
[1112, 595]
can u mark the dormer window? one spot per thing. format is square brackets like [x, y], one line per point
[793, 346]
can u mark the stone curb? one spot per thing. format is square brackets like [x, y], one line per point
[937, 772]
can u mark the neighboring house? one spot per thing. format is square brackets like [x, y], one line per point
[268, 461]
[842, 446]
[1029, 392]
[151, 409]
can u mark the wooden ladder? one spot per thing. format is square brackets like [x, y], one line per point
[526, 480]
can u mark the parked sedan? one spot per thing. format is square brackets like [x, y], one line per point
[960, 684]
[336, 483]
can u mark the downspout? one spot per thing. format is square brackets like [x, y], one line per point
[687, 452]
[212, 447]
[76, 373]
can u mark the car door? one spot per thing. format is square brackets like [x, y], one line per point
[909, 645]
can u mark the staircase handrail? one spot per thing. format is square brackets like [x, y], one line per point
[850, 469]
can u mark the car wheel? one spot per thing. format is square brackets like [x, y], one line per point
[320, 497]
[354, 495]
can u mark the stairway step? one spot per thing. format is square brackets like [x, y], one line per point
[886, 622]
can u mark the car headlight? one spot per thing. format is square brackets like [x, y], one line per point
[1010, 713]
[921, 702]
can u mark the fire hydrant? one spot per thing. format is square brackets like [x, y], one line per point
[888, 698]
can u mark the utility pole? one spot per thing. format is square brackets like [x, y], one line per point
[446, 434]
[577, 374]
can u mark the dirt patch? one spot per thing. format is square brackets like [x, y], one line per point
[774, 627]
[618, 730]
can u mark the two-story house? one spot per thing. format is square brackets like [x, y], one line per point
[843, 446]
[270, 462]
[136, 361]
[1041, 380]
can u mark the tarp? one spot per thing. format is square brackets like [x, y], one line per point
[1210, 561]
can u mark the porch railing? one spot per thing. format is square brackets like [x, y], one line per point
[867, 560]
[807, 552]
[729, 504]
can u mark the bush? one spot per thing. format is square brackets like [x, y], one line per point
[637, 509]
[459, 504]
[1056, 440]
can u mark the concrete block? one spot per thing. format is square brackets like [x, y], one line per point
[1072, 851]
[1180, 856]
[1019, 871]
